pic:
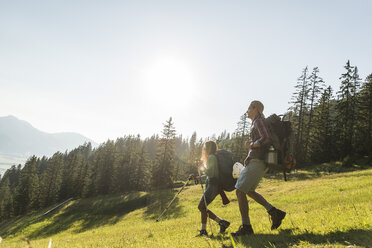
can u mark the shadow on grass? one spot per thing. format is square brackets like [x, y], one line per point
[86, 214]
[17, 224]
[285, 238]
[91, 213]
[160, 200]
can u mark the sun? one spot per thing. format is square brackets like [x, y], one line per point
[170, 81]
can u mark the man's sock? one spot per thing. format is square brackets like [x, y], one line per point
[268, 206]
[204, 226]
[246, 221]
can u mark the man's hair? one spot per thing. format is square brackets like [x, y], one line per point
[259, 106]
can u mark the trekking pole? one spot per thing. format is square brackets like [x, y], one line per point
[188, 180]
[205, 201]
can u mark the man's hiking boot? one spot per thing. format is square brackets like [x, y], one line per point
[243, 230]
[202, 233]
[276, 216]
[224, 224]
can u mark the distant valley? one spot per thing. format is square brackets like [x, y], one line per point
[19, 140]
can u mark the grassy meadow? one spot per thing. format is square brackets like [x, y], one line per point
[323, 210]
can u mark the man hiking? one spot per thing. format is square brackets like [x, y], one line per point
[210, 163]
[254, 170]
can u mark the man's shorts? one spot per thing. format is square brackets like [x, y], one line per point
[250, 176]
[211, 191]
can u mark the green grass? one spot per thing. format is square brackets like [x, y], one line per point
[323, 210]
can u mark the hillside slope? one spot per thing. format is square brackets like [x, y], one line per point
[327, 211]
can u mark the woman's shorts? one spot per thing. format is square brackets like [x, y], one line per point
[211, 191]
[250, 176]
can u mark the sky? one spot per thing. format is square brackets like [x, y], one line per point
[106, 69]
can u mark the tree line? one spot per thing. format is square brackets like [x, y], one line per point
[328, 125]
[332, 124]
[127, 164]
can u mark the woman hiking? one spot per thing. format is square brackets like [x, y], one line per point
[209, 160]
[254, 170]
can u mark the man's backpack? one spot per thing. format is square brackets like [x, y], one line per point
[225, 167]
[282, 140]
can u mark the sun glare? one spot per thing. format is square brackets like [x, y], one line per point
[170, 81]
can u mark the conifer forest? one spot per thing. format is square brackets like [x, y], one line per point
[330, 125]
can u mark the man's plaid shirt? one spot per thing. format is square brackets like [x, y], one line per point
[259, 135]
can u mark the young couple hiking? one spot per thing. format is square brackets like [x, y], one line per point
[248, 180]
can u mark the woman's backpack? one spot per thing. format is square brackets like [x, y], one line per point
[225, 167]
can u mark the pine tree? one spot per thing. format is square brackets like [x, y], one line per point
[13, 175]
[104, 159]
[142, 170]
[27, 192]
[42, 165]
[122, 172]
[347, 109]
[322, 131]
[126, 160]
[87, 180]
[355, 103]
[51, 180]
[80, 176]
[6, 200]
[134, 164]
[364, 125]
[241, 135]
[151, 145]
[299, 99]
[222, 140]
[162, 173]
[316, 84]
[73, 163]
[180, 158]
[193, 155]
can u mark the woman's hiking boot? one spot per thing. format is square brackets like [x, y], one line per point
[202, 233]
[276, 216]
[224, 224]
[243, 230]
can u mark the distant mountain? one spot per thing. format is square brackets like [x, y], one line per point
[19, 140]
